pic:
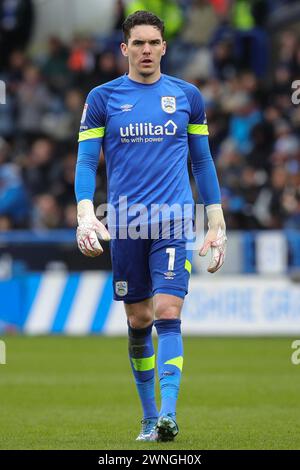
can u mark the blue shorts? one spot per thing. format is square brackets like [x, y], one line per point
[145, 267]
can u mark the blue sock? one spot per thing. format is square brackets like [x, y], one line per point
[169, 362]
[142, 359]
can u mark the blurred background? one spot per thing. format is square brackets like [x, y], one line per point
[245, 58]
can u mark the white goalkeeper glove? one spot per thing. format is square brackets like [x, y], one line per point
[215, 238]
[89, 230]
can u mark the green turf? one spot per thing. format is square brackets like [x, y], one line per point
[78, 393]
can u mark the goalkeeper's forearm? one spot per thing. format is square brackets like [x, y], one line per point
[204, 170]
[86, 169]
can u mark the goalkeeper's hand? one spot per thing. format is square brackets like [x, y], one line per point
[215, 238]
[89, 230]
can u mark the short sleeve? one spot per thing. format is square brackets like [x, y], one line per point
[92, 124]
[197, 123]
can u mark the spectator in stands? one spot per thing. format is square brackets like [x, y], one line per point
[245, 115]
[61, 124]
[16, 23]
[39, 166]
[47, 213]
[55, 65]
[70, 216]
[224, 62]
[262, 137]
[63, 184]
[291, 206]
[33, 101]
[14, 201]
[251, 39]
[200, 23]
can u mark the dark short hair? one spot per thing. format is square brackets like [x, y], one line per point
[141, 17]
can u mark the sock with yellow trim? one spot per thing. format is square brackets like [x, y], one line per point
[142, 360]
[169, 362]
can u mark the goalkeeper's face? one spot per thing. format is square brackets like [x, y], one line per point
[144, 50]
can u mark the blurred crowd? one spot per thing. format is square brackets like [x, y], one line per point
[244, 70]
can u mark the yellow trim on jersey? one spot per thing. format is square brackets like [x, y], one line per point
[200, 129]
[91, 134]
[188, 266]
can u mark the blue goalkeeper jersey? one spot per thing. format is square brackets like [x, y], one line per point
[145, 131]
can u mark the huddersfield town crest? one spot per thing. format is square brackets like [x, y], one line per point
[121, 288]
[168, 104]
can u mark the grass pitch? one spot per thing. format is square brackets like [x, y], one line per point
[78, 393]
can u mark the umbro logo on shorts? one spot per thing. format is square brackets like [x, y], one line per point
[169, 275]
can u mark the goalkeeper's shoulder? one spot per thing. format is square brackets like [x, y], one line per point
[183, 84]
[191, 91]
[104, 90]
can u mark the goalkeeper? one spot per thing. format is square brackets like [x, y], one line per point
[147, 123]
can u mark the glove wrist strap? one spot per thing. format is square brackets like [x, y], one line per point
[85, 208]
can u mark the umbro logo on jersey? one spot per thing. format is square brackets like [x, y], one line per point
[168, 104]
[127, 107]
